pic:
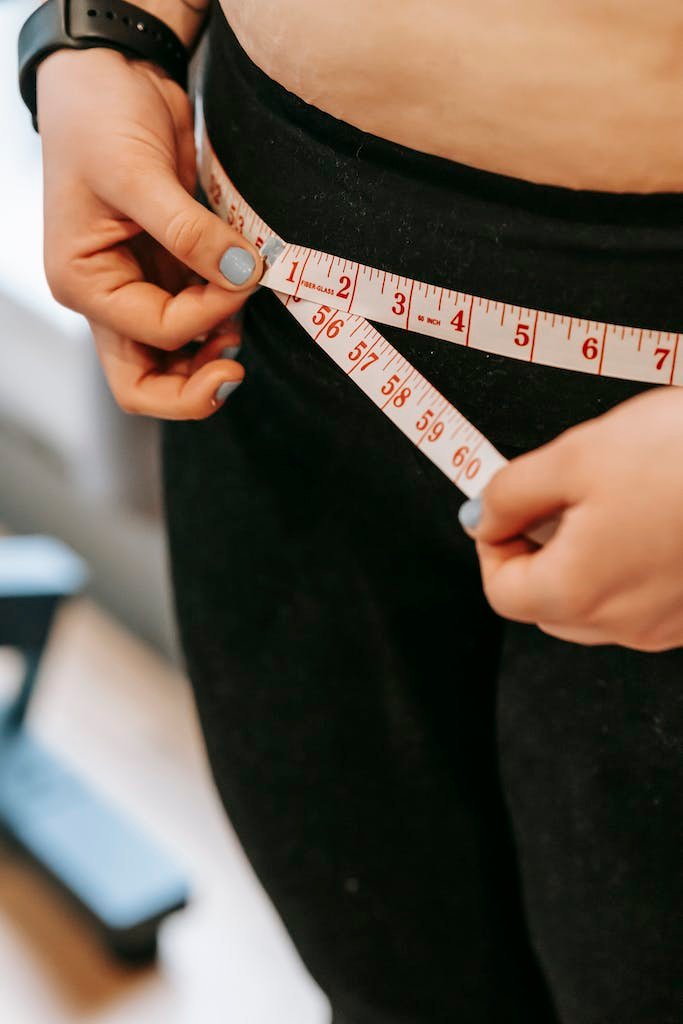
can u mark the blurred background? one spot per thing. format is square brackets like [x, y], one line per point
[108, 817]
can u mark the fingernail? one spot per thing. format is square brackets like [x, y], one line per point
[237, 264]
[230, 351]
[469, 513]
[225, 389]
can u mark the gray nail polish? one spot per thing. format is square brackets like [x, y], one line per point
[230, 351]
[237, 264]
[226, 388]
[469, 513]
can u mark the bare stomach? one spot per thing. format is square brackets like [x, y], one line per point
[585, 94]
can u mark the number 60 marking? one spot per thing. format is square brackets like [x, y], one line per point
[472, 468]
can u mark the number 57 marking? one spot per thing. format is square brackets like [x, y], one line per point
[665, 352]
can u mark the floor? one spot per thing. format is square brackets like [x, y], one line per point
[114, 709]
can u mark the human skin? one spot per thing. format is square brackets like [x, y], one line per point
[120, 222]
[612, 572]
[124, 241]
[583, 93]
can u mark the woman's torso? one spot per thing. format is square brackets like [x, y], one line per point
[583, 94]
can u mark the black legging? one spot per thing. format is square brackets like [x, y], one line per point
[461, 820]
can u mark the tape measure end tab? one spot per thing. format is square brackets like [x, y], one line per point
[271, 250]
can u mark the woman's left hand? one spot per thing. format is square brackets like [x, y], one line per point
[612, 573]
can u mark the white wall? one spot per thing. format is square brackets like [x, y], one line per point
[70, 462]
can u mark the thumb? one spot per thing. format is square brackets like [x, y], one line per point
[527, 489]
[194, 235]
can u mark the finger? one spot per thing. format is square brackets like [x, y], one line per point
[194, 235]
[526, 490]
[112, 291]
[232, 326]
[586, 635]
[99, 265]
[507, 579]
[555, 583]
[143, 386]
[224, 345]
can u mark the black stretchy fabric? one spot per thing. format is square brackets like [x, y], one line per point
[461, 820]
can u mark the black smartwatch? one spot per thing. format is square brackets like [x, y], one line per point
[82, 24]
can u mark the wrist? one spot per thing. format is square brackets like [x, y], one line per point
[119, 25]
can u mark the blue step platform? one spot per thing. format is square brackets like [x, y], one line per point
[118, 877]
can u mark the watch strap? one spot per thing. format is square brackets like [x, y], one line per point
[83, 24]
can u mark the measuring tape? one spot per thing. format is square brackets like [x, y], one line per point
[334, 298]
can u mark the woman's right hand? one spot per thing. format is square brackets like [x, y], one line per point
[127, 245]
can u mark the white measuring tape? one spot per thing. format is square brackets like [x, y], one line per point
[333, 298]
